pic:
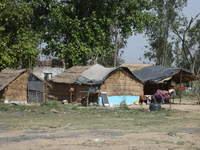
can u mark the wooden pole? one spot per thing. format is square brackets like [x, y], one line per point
[62, 109]
[98, 98]
[36, 98]
[116, 31]
[180, 87]
[70, 97]
[87, 99]
[199, 96]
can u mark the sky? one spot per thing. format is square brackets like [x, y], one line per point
[136, 44]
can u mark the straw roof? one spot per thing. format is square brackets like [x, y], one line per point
[8, 75]
[185, 77]
[69, 75]
[135, 66]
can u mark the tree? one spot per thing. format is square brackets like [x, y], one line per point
[189, 44]
[80, 30]
[158, 34]
[18, 42]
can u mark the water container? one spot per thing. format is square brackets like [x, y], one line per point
[111, 104]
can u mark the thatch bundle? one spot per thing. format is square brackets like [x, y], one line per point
[122, 83]
[70, 75]
[8, 75]
[17, 90]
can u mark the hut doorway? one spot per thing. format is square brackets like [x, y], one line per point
[35, 90]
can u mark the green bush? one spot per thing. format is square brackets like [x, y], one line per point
[22, 107]
[124, 106]
[184, 93]
[50, 104]
[74, 108]
[4, 107]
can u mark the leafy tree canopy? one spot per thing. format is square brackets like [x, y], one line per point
[80, 30]
[159, 34]
[17, 40]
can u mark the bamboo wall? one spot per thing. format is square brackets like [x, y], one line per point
[17, 90]
[61, 92]
[121, 83]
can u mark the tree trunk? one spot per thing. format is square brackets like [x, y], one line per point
[63, 61]
[166, 35]
[116, 31]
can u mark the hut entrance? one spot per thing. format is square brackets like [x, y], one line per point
[35, 90]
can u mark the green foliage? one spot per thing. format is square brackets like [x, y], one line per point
[22, 107]
[124, 106]
[159, 34]
[4, 107]
[18, 41]
[82, 30]
[74, 108]
[74, 30]
[50, 104]
[189, 52]
[189, 94]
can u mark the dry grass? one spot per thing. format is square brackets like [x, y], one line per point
[133, 120]
[119, 126]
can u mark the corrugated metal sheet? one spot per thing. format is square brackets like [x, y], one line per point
[35, 97]
[36, 86]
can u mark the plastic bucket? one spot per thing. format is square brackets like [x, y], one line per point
[6, 101]
[111, 104]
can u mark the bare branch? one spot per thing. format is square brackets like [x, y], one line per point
[176, 32]
[185, 45]
[191, 21]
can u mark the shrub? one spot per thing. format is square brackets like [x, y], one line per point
[184, 93]
[124, 106]
[74, 108]
[50, 104]
[4, 107]
[22, 107]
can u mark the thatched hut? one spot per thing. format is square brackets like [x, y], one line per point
[21, 86]
[119, 84]
[159, 77]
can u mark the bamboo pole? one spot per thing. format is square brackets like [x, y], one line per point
[180, 87]
[116, 31]
[62, 109]
[36, 98]
[199, 96]
[70, 97]
[87, 99]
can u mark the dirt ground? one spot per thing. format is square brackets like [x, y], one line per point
[60, 138]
